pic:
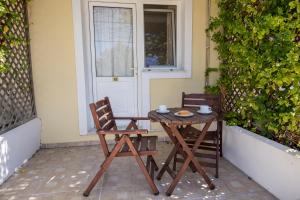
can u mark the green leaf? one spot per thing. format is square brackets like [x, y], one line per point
[258, 46]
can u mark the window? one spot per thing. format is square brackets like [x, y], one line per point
[160, 36]
[113, 41]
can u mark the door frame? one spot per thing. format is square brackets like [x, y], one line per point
[91, 5]
[82, 57]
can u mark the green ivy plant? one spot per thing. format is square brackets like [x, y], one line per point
[258, 42]
[211, 89]
[7, 38]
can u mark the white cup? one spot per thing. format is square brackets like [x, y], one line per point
[162, 108]
[205, 109]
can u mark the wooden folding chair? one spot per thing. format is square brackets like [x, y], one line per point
[211, 148]
[125, 145]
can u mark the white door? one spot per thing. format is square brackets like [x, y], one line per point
[113, 47]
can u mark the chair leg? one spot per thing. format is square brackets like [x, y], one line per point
[142, 167]
[104, 167]
[217, 156]
[96, 178]
[148, 163]
[220, 138]
[151, 166]
[174, 162]
[152, 171]
[146, 174]
[154, 163]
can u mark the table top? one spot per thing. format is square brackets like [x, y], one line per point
[171, 118]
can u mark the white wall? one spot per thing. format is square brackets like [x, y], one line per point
[17, 146]
[272, 165]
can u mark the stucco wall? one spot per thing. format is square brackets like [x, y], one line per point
[54, 75]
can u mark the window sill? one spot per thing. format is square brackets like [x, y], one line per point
[163, 70]
[166, 73]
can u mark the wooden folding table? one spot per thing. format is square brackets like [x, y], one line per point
[175, 127]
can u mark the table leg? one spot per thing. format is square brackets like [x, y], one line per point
[174, 140]
[195, 161]
[184, 155]
[189, 158]
[166, 165]
[203, 174]
[178, 176]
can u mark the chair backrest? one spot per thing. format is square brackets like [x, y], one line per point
[103, 119]
[194, 100]
[103, 115]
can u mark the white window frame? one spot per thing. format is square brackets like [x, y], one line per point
[83, 57]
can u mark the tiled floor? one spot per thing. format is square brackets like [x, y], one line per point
[63, 173]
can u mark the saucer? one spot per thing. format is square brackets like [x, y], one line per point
[162, 112]
[204, 113]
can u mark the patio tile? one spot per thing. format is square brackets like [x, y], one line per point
[64, 173]
[116, 194]
[56, 196]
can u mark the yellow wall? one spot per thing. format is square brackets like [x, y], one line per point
[54, 73]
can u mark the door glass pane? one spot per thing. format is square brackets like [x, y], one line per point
[113, 41]
[160, 34]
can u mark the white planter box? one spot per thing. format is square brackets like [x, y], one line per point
[274, 166]
[17, 146]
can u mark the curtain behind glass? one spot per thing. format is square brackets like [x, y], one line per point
[170, 49]
[113, 41]
[159, 38]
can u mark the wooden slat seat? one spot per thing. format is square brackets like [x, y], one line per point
[145, 145]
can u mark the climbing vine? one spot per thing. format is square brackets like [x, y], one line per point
[8, 19]
[258, 42]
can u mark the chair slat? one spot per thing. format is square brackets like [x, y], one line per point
[101, 103]
[103, 111]
[144, 144]
[205, 155]
[205, 148]
[202, 144]
[102, 107]
[194, 100]
[108, 125]
[104, 115]
[152, 144]
[200, 96]
[136, 143]
[197, 102]
[125, 148]
[102, 121]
